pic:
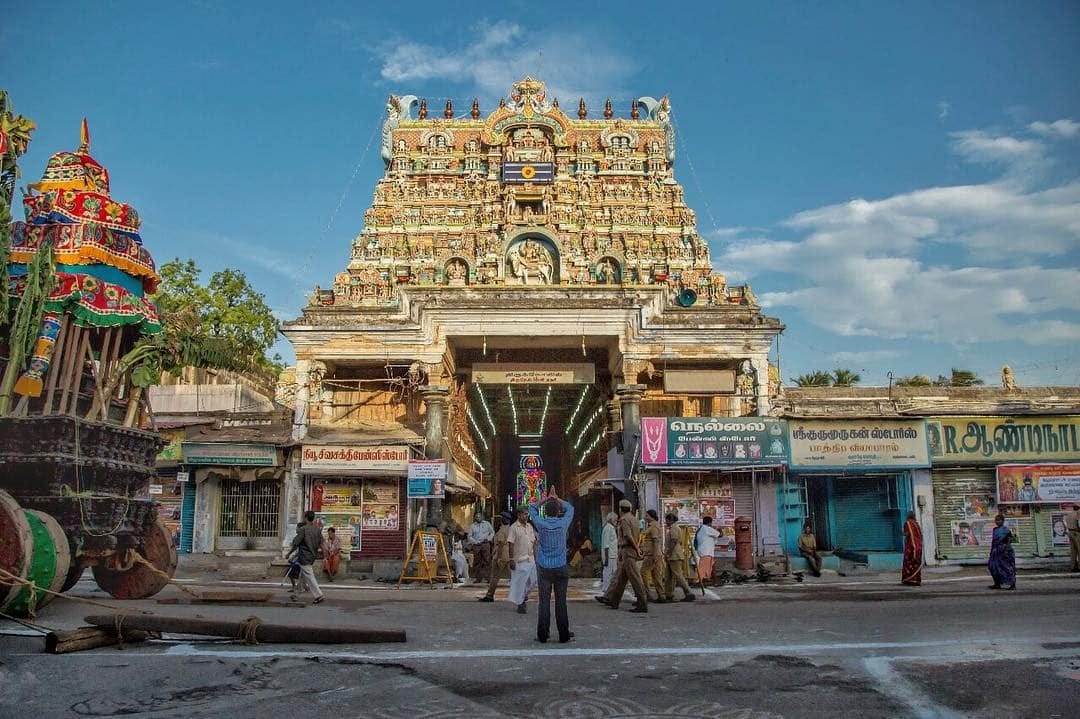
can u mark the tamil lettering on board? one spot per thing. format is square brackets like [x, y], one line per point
[1002, 439]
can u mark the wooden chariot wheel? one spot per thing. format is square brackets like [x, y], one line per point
[140, 581]
[16, 544]
[44, 552]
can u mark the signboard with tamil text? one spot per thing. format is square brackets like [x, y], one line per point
[427, 478]
[333, 459]
[1038, 483]
[857, 444]
[231, 453]
[713, 441]
[993, 440]
[529, 373]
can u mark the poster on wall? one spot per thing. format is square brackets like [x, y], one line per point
[984, 506]
[721, 510]
[346, 527]
[1038, 483]
[427, 478]
[716, 488]
[685, 509]
[978, 532]
[1059, 531]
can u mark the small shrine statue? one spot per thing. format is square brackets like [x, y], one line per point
[1007, 379]
[532, 259]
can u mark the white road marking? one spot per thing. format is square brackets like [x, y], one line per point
[893, 684]
[957, 652]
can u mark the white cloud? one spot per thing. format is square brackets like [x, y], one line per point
[572, 64]
[1022, 158]
[962, 264]
[1063, 128]
[944, 109]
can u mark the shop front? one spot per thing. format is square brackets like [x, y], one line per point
[361, 491]
[237, 498]
[854, 481]
[1026, 468]
[720, 467]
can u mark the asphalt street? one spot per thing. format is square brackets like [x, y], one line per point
[872, 648]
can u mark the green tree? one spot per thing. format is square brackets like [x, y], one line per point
[958, 378]
[817, 378]
[918, 380]
[224, 314]
[845, 378]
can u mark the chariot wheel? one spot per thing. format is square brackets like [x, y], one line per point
[16, 546]
[140, 581]
[58, 555]
[74, 574]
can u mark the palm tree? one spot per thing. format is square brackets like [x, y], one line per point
[817, 378]
[845, 378]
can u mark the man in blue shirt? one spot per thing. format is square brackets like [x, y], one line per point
[551, 568]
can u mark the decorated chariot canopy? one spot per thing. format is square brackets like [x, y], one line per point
[103, 272]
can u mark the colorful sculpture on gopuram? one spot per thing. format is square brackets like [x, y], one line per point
[72, 459]
[531, 480]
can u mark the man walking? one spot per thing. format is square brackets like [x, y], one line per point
[306, 544]
[1072, 523]
[675, 553]
[628, 571]
[552, 570]
[609, 548]
[500, 556]
[652, 565]
[481, 535]
[521, 542]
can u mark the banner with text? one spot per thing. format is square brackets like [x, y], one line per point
[427, 478]
[858, 444]
[1038, 483]
[713, 441]
[990, 440]
[326, 459]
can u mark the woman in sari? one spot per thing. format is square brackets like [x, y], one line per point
[911, 574]
[1002, 563]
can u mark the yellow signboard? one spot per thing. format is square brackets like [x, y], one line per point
[858, 444]
[992, 440]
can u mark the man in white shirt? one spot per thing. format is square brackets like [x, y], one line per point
[609, 550]
[522, 544]
[481, 534]
[705, 546]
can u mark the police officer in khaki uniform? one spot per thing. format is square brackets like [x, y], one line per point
[675, 553]
[629, 555]
[500, 561]
[652, 564]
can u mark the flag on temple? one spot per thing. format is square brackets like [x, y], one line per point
[528, 172]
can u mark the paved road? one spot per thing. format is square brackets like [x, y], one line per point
[950, 648]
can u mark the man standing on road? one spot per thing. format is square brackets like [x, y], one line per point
[609, 550]
[500, 556]
[675, 553]
[552, 570]
[1072, 523]
[522, 546]
[306, 544]
[652, 565]
[481, 534]
[628, 571]
[705, 546]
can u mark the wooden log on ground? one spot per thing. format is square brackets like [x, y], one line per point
[251, 629]
[77, 640]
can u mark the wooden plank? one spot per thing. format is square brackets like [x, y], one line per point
[56, 364]
[77, 640]
[69, 362]
[254, 628]
[77, 366]
[98, 370]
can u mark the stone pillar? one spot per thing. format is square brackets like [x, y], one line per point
[435, 403]
[761, 387]
[303, 395]
[630, 401]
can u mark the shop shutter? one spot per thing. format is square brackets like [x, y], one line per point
[386, 544]
[187, 516]
[742, 488]
[950, 488]
[863, 521]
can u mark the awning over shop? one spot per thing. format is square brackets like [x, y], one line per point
[461, 481]
[240, 474]
[597, 478]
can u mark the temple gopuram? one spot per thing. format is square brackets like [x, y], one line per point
[525, 286]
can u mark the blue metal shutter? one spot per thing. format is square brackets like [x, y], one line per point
[861, 515]
[187, 515]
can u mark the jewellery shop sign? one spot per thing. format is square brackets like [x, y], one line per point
[713, 441]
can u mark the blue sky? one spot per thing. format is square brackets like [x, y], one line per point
[900, 184]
